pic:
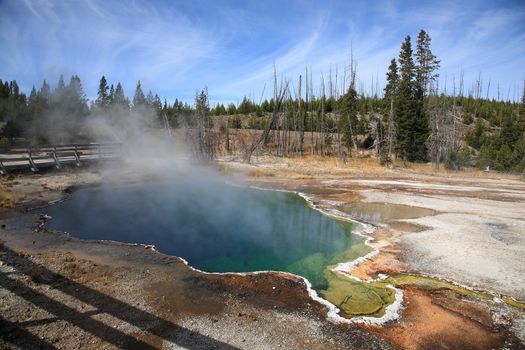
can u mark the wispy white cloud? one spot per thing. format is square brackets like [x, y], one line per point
[176, 47]
[94, 38]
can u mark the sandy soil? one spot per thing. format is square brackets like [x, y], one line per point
[60, 292]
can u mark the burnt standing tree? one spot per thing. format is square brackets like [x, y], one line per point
[300, 120]
[348, 118]
[278, 98]
[437, 145]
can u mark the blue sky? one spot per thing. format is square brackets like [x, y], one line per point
[177, 47]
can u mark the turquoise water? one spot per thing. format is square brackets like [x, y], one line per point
[214, 226]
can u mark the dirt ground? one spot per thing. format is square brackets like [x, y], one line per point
[61, 292]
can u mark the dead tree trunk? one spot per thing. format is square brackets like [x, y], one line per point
[300, 120]
[391, 128]
[278, 99]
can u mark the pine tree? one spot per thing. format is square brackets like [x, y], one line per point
[119, 99]
[14, 90]
[58, 96]
[521, 114]
[111, 94]
[39, 107]
[392, 79]
[475, 137]
[246, 106]
[76, 101]
[33, 102]
[68, 108]
[427, 63]
[405, 103]
[509, 134]
[391, 90]
[4, 90]
[411, 115]
[232, 109]
[61, 85]
[32, 95]
[150, 99]
[45, 92]
[157, 104]
[103, 98]
[139, 100]
[504, 157]
[348, 120]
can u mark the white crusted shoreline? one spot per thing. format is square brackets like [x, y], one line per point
[392, 311]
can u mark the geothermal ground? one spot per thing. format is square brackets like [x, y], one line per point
[460, 262]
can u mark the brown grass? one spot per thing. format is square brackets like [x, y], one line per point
[362, 166]
[429, 169]
[316, 165]
[7, 199]
[259, 173]
[361, 162]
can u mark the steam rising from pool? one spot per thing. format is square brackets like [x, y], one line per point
[216, 227]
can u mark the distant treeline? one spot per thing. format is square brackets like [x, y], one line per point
[489, 133]
[59, 115]
[412, 121]
[494, 136]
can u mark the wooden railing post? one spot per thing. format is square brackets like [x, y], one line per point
[77, 156]
[31, 162]
[57, 162]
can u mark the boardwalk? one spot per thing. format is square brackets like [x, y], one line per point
[20, 158]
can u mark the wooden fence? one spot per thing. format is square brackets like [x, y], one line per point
[13, 158]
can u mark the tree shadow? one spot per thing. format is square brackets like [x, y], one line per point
[16, 333]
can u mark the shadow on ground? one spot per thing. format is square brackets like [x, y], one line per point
[19, 333]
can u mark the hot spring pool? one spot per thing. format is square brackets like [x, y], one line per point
[216, 227]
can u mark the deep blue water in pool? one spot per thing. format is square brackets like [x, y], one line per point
[216, 227]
